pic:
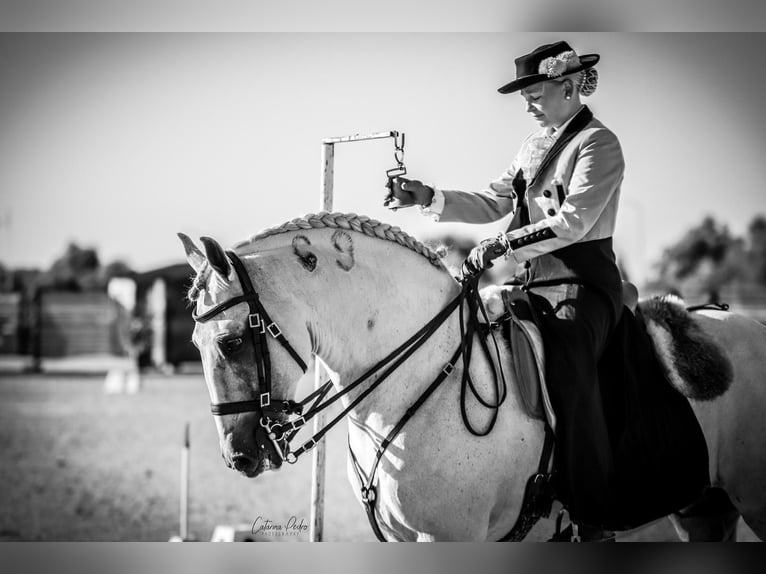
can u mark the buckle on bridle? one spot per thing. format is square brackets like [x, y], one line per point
[276, 328]
[368, 494]
[258, 324]
[298, 423]
[265, 399]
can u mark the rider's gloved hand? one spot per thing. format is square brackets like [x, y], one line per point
[481, 256]
[403, 192]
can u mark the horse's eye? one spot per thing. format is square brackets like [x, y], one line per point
[230, 346]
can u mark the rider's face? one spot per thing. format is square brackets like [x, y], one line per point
[547, 103]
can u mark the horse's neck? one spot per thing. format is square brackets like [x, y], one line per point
[360, 334]
[358, 309]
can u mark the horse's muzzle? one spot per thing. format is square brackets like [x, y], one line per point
[252, 453]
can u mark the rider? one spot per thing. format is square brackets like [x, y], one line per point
[563, 189]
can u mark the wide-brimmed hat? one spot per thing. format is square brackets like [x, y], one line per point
[548, 62]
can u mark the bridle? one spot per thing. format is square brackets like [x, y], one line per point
[274, 411]
[260, 323]
[281, 431]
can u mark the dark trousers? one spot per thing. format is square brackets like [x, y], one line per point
[576, 322]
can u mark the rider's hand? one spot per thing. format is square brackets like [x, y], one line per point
[481, 256]
[403, 192]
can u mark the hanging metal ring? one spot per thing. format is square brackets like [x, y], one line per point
[399, 148]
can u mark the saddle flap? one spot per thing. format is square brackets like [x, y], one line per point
[528, 355]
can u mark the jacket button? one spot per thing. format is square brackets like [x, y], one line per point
[551, 211]
[547, 193]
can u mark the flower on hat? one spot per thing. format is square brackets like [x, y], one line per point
[556, 66]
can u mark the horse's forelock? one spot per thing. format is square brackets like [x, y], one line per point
[198, 284]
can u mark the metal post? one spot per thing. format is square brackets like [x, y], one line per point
[318, 462]
[328, 173]
[184, 504]
[316, 519]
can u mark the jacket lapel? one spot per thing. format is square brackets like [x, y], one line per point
[583, 117]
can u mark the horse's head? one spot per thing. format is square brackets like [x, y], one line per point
[247, 372]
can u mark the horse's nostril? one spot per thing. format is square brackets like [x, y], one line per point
[240, 462]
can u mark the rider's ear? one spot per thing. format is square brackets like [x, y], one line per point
[194, 256]
[216, 257]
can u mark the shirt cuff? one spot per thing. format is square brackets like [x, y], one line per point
[435, 209]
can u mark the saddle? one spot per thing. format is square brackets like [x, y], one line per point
[523, 335]
[659, 452]
[517, 318]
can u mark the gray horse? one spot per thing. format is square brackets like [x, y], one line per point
[346, 290]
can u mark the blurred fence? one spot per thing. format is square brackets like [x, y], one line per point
[151, 321]
[80, 324]
[55, 324]
[10, 323]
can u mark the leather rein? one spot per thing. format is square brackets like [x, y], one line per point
[275, 412]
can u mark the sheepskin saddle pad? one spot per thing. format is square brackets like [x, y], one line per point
[693, 363]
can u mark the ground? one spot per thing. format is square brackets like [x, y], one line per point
[82, 465]
[79, 464]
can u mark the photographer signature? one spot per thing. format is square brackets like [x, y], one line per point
[292, 527]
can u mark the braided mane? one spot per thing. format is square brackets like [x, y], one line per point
[350, 221]
[324, 219]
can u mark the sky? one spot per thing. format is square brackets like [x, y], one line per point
[119, 140]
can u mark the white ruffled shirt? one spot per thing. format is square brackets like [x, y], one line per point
[436, 207]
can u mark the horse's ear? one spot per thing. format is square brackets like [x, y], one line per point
[194, 256]
[216, 257]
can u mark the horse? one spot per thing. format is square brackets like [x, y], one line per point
[354, 294]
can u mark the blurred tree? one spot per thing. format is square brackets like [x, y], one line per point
[6, 279]
[76, 270]
[117, 268]
[708, 241]
[708, 258]
[756, 253]
[26, 280]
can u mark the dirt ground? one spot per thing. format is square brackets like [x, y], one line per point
[78, 464]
